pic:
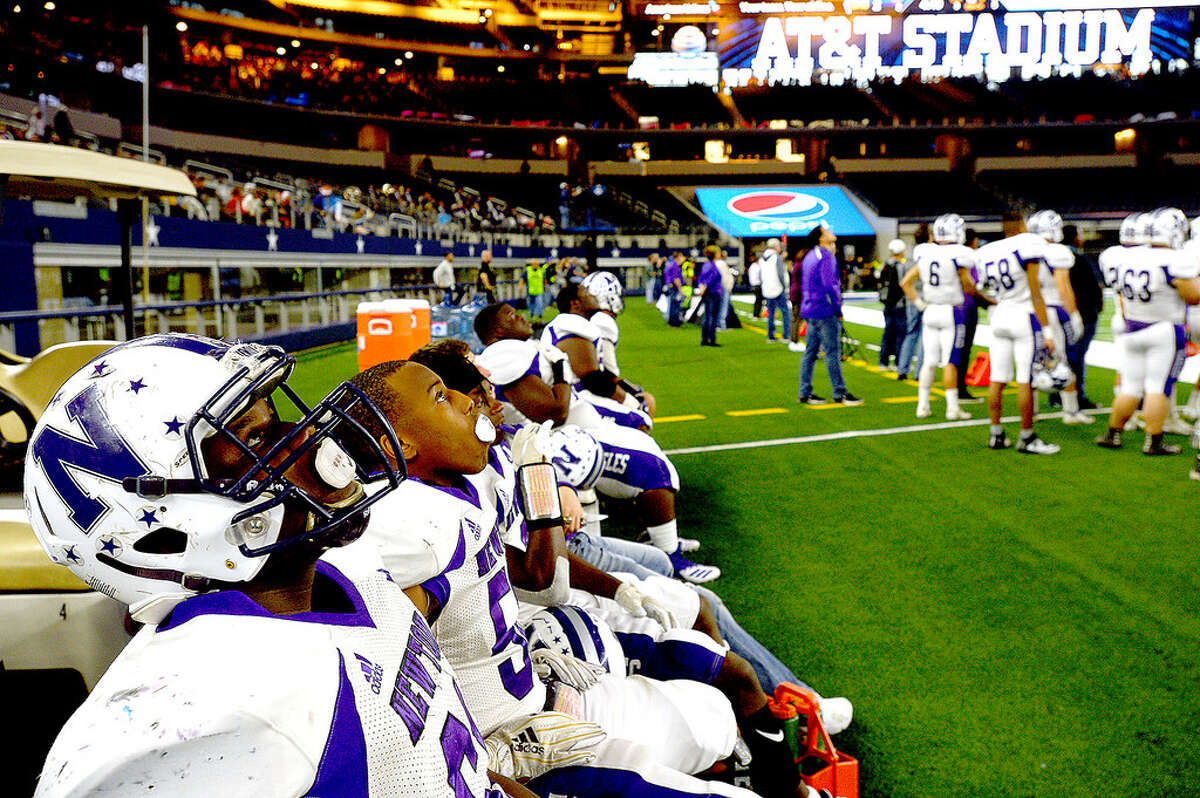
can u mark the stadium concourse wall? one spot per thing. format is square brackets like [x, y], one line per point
[39, 240]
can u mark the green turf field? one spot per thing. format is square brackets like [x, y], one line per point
[1005, 625]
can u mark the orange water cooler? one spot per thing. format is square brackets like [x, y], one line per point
[391, 330]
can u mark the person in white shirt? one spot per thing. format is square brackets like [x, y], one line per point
[1157, 284]
[443, 278]
[754, 275]
[774, 274]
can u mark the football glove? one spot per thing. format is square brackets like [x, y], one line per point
[1076, 327]
[639, 605]
[527, 748]
[566, 669]
[530, 443]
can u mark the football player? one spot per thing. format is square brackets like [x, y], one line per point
[162, 475]
[607, 289]
[575, 331]
[1191, 410]
[1066, 325]
[472, 499]
[944, 268]
[1009, 271]
[531, 382]
[1156, 284]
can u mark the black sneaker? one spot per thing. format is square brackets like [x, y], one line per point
[1111, 439]
[811, 399]
[999, 441]
[848, 399]
[1087, 404]
[1160, 449]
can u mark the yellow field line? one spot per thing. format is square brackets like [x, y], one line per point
[831, 406]
[895, 400]
[672, 419]
[762, 411]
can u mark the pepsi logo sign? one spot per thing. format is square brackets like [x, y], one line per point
[778, 210]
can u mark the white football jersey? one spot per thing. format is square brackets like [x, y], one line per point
[1110, 260]
[571, 325]
[224, 698]
[1058, 256]
[477, 627]
[1143, 279]
[510, 360]
[609, 337]
[1001, 266]
[937, 268]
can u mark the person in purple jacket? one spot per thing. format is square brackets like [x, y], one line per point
[708, 284]
[821, 307]
[673, 286]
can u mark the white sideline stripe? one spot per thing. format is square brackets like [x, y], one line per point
[863, 433]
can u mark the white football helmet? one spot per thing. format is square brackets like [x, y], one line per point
[576, 456]
[949, 228]
[1050, 374]
[607, 289]
[573, 631]
[118, 490]
[1132, 232]
[1047, 224]
[1195, 229]
[896, 246]
[1168, 228]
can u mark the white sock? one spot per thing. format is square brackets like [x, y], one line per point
[952, 401]
[664, 536]
[1070, 402]
[925, 386]
[997, 429]
[1194, 401]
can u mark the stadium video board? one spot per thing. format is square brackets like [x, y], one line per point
[790, 41]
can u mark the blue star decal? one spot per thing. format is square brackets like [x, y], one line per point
[69, 551]
[98, 369]
[108, 546]
[137, 385]
[148, 518]
[174, 426]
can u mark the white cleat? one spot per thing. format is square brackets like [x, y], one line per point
[689, 544]
[1036, 445]
[795, 346]
[957, 415]
[924, 412]
[1177, 426]
[1074, 419]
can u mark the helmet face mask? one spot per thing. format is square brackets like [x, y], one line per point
[1050, 374]
[607, 289]
[949, 228]
[121, 484]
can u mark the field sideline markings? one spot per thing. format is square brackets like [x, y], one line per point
[761, 411]
[862, 433]
[671, 419]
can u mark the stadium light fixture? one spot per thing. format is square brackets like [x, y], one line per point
[49, 6]
[398, 62]
[1124, 140]
[716, 151]
[500, 68]
[408, 53]
[295, 42]
[785, 150]
[281, 50]
[314, 66]
[382, 70]
[16, 9]
[180, 26]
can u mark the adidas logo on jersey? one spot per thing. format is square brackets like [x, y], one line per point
[372, 672]
[472, 527]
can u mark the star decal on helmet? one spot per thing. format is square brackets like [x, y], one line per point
[174, 426]
[148, 517]
[136, 385]
[110, 545]
[100, 369]
[69, 553]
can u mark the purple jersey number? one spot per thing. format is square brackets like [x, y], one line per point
[518, 683]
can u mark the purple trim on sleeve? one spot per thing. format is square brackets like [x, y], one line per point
[1178, 361]
[439, 586]
[342, 770]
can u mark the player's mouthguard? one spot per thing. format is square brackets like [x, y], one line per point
[485, 430]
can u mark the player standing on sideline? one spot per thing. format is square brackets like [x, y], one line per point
[1191, 410]
[944, 269]
[1009, 268]
[1066, 323]
[162, 475]
[1156, 284]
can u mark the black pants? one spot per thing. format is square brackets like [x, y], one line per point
[708, 325]
[758, 301]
